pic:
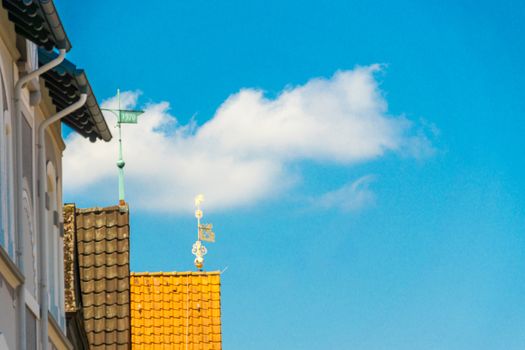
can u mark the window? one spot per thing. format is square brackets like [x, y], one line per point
[51, 238]
[3, 342]
[6, 179]
[31, 335]
[55, 248]
[3, 238]
[30, 242]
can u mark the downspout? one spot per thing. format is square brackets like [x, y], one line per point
[22, 81]
[42, 190]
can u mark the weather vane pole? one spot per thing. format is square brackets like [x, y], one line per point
[124, 116]
[120, 161]
[204, 233]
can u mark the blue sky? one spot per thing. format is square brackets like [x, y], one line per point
[429, 250]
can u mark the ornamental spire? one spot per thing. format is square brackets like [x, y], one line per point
[204, 233]
[123, 117]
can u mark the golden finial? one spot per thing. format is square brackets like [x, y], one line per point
[198, 212]
[204, 233]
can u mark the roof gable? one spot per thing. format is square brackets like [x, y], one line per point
[175, 309]
[103, 256]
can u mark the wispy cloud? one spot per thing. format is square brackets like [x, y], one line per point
[351, 197]
[242, 154]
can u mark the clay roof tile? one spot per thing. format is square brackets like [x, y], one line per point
[172, 309]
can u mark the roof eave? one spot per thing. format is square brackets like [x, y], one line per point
[81, 85]
[55, 24]
[94, 109]
[38, 21]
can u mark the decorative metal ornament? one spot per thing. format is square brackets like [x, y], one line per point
[199, 250]
[198, 214]
[204, 233]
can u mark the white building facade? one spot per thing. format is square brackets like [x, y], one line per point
[32, 312]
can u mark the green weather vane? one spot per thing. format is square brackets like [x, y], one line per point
[124, 116]
[204, 233]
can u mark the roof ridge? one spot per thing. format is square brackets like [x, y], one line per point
[174, 273]
[92, 209]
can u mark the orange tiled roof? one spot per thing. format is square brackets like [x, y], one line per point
[170, 310]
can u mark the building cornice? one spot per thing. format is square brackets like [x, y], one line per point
[57, 337]
[9, 270]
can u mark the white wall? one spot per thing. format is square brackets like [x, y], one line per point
[8, 214]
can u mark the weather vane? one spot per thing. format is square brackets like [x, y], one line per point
[204, 233]
[124, 116]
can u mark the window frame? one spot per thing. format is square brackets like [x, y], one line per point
[6, 169]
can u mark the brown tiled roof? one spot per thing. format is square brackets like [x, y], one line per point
[103, 250]
[176, 310]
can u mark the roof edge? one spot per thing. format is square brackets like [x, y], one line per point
[55, 24]
[175, 273]
[92, 209]
[79, 75]
[94, 108]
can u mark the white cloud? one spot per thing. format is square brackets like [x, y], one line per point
[242, 154]
[351, 197]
